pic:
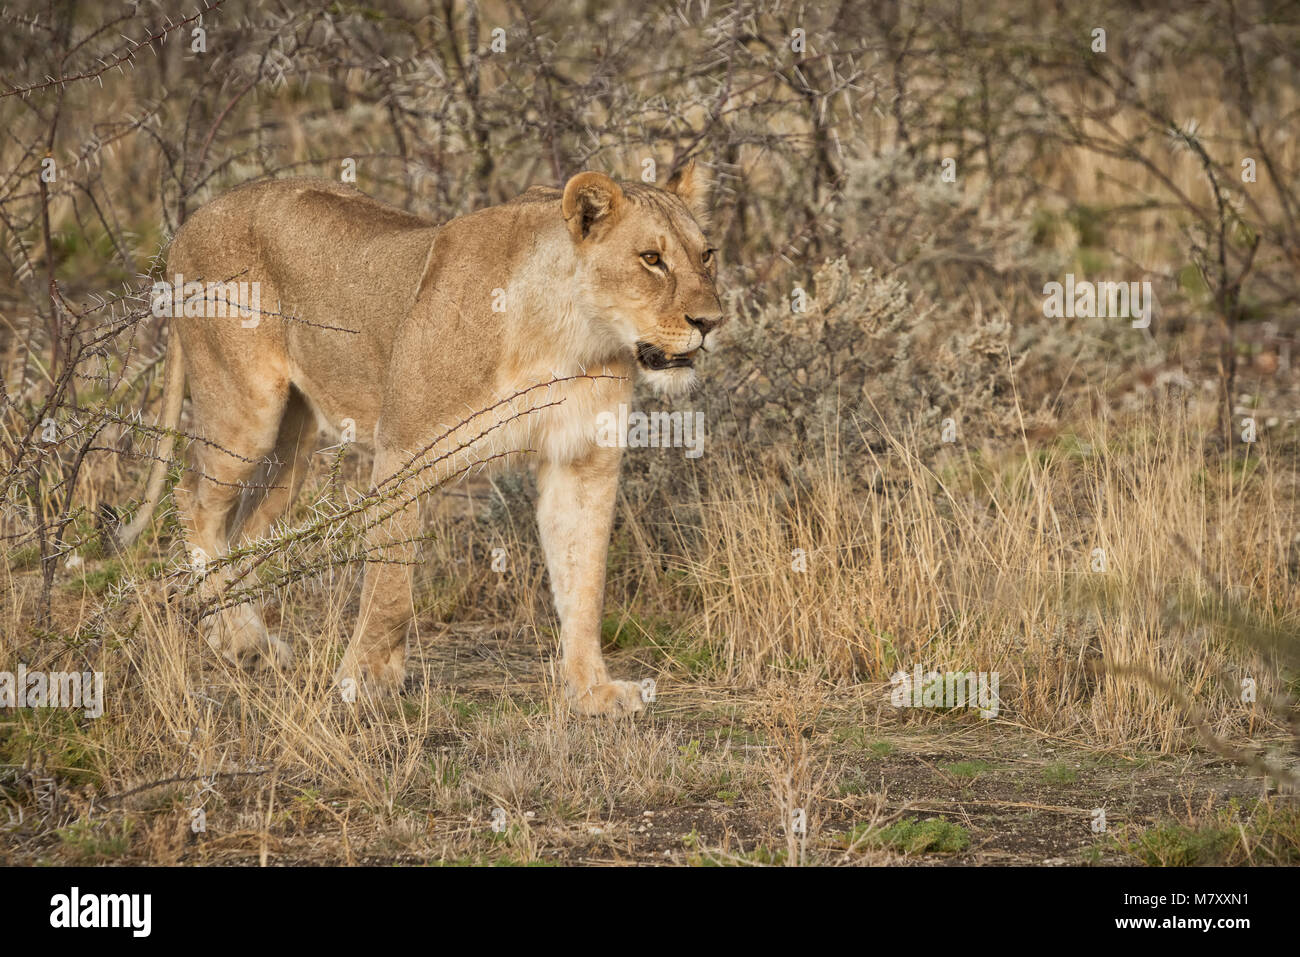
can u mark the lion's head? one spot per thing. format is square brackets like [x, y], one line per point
[647, 269]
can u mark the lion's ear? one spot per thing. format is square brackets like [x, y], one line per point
[692, 183]
[590, 200]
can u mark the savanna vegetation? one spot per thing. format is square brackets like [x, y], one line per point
[911, 462]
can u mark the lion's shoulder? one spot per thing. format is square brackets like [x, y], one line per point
[535, 195]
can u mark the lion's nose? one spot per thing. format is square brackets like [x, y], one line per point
[704, 325]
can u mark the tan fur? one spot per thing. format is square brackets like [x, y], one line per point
[429, 350]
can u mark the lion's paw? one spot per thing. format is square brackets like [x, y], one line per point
[610, 698]
[371, 676]
[239, 635]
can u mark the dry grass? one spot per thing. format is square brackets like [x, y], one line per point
[972, 562]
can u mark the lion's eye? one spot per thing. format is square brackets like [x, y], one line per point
[650, 258]
[707, 257]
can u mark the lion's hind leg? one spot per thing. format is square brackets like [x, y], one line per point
[282, 478]
[238, 424]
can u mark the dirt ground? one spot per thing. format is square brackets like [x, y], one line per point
[1008, 796]
[1022, 798]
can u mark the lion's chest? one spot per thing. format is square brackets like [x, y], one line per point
[561, 421]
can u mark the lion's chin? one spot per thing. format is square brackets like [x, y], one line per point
[670, 383]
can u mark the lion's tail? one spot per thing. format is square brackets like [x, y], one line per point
[172, 397]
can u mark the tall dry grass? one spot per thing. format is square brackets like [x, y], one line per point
[981, 561]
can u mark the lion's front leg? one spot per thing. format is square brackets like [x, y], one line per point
[575, 513]
[375, 659]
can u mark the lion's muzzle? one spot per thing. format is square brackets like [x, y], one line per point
[655, 359]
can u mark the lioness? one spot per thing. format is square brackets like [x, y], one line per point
[599, 281]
